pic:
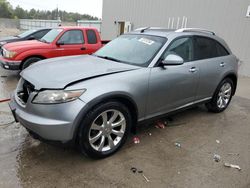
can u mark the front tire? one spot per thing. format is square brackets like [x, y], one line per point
[222, 96]
[104, 130]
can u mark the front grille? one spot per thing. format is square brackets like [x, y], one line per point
[25, 90]
[1, 51]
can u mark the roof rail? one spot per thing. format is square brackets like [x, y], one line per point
[195, 30]
[142, 29]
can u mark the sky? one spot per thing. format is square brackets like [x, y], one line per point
[92, 7]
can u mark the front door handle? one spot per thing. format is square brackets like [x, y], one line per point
[222, 64]
[193, 69]
[83, 48]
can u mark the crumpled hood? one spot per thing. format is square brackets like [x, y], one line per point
[57, 73]
[24, 45]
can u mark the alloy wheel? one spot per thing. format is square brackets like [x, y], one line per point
[224, 95]
[107, 130]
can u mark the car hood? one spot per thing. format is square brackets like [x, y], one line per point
[57, 73]
[7, 39]
[24, 45]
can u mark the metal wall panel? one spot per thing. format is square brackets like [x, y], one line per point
[227, 18]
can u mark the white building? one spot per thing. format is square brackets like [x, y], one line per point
[229, 19]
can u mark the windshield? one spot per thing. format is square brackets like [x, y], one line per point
[51, 35]
[132, 49]
[26, 33]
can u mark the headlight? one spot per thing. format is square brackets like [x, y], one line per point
[2, 43]
[8, 54]
[57, 96]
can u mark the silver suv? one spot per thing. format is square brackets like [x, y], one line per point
[94, 101]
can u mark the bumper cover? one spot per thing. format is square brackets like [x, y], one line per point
[47, 124]
[10, 64]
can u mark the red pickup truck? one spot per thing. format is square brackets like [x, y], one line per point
[62, 41]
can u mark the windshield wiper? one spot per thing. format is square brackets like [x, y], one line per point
[108, 58]
[42, 40]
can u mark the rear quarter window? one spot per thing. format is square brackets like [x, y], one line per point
[206, 48]
[91, 36]
[221, 51]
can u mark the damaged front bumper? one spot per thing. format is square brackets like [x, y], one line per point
[56, 122]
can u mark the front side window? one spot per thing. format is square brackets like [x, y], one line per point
[132, 49]
[182, 47]
[72, 37]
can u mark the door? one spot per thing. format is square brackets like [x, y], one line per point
[211, 58]
[93, 43]
[71, 43]
[173, 86]
[124, 27]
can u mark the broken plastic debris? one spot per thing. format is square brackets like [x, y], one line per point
[237, 154]
[150, 134]
[134, 170]
[217, 158]
[160, 125]
[217, 141]
[141, 172]
[136, 140]
[177, 144]
[232, 166]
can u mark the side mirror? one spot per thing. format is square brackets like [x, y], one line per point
[59, 43]
[172, 59]
[31, 37]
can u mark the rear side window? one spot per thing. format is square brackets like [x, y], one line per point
[182, 47]
[91, 35]
[206, 48]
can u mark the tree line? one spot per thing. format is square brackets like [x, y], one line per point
[7, 11]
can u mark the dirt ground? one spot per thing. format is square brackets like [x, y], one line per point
[25, 162]
[9, 31]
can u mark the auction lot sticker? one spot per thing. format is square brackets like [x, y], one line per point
[146, 41]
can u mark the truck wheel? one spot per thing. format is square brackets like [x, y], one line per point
[222, 96]
[30, 61]
[104, 130]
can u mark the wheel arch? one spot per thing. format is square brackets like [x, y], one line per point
[28, 57]
[122, 98]
[234, 78]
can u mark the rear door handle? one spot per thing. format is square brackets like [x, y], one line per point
[83, 48]
[222, 64]
[193, 69]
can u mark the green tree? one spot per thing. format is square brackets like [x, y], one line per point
[20, 12]
[5, 9]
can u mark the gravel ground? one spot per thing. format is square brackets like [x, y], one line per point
[8, 32]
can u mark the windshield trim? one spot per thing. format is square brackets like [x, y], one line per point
[147, 63]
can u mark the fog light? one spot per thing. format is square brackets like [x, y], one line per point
[6, 66]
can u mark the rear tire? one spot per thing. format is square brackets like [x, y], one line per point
[104, 130]
[222, 96]
[30, 61]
